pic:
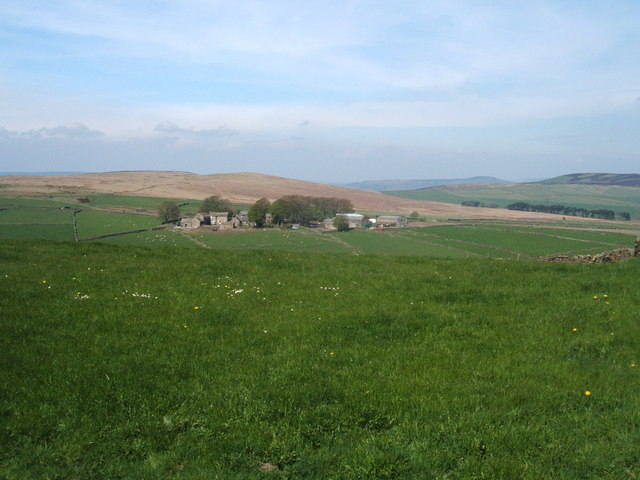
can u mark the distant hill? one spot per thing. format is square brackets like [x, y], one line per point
[396, 185]
[39, 173]
[614, 179]
[241, 188]
[592, 196]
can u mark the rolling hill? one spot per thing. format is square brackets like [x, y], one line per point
[612, 179]
[241, 188]
[385, 185]
[549, 192]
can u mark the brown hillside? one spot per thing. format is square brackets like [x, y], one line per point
[239, 188]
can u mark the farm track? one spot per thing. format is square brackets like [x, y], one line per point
[408, 236]
[342, 243]
[193, 239]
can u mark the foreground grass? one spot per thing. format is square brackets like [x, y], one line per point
[121, 362]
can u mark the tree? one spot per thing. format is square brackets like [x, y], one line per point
[168, 211]
[341, 224]
[258, 212]
[214, 204]
[303, 210]
[279, 211]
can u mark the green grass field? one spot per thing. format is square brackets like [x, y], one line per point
[95, 223]
[156, 238]
[618, 199]
[459, 241]
[36, 222]
[123, 362]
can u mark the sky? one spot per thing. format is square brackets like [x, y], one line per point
[329, 91]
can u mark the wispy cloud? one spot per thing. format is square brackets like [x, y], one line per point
[172, 129]
[75, 131]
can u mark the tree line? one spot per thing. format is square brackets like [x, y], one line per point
[475, 203]
[601, 213]
[298, 209]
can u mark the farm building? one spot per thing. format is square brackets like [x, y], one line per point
[391, 221]
[216, 218]
[355, 220]
[206, 219]
[243, 216]
[212, 221]
[190, 222]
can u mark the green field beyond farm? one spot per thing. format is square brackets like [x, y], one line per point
[127, 362]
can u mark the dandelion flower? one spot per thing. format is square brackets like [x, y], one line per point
[587, 393]
[633, 365]
[595, 297]
[186, 326]
[44, 281]
[574, 329]
[196, 308]
[606, 296]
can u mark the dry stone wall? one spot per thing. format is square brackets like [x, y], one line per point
[618, 255]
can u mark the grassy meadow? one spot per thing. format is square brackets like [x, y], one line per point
[447, 241]
[124, 362]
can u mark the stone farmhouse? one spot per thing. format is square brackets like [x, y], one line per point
[212, 220]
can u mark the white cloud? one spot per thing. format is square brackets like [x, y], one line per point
[172, 129]
[76, 131]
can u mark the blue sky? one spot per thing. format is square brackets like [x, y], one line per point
[326, 91]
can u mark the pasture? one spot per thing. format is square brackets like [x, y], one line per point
[450, 241]
[128, 362]
[47, 220]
